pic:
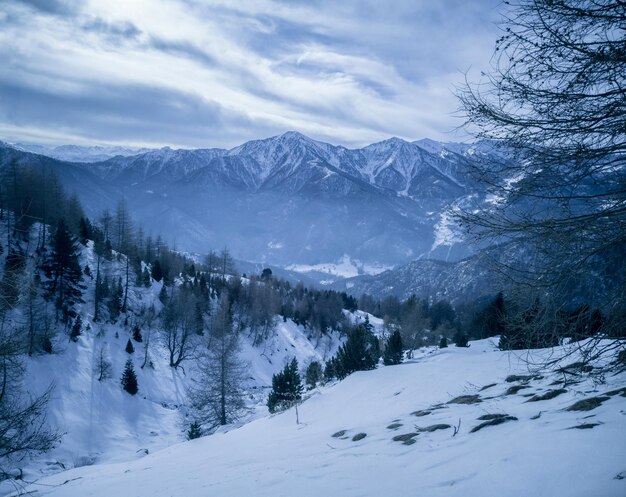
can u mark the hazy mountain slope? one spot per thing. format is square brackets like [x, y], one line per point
[288, 199]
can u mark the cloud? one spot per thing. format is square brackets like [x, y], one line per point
[216, 73]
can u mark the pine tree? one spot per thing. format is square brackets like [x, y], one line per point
[286, 388]
[137, 333]
[115, 302]
[360, 352]
[157, 272]
[313, 374]
[129, 347]
[443, 343]
[64, 271]
[460, 339]
[393, 350]
[129, 378]
[195, 431]
[76, 329]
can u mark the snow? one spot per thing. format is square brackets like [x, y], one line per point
[346, 267]
[445, 233]
[273, 456]
[102, 423]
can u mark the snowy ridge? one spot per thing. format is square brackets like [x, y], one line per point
[412, 429]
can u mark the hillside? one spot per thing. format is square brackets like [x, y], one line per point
[418, 401]
[99, 421]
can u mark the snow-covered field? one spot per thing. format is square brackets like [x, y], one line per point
[546, 451]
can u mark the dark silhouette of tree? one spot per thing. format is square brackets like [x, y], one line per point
[393, 349]
[218, 396]
[129, 378]
[286, 388]
[63, 271]
[553, 111]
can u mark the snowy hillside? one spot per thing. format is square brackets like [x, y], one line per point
[100, 422]
[433, 426]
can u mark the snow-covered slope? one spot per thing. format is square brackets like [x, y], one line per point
[100, 422]
[402, 430]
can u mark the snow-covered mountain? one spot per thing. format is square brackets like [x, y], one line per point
[77, 153]
[288, 199]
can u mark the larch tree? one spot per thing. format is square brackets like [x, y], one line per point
[218, 394]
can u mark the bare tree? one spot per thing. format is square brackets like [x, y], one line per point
[217, 397]
[23, 427]
[178, 327]
[552, 112]
[103, 366]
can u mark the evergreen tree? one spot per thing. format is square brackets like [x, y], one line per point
[163, 297]
[393, 350]
[460, 339]
[76, 329]
[443, 343]
[84, 230]
[137, 333]
[286, 388]
[195, 431]
[313, 374]
[115, 301]
[64, 272]
[360, 352]
[157, 272]
[129, 347]
[129, 378]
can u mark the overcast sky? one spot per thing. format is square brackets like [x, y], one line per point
[203, 73]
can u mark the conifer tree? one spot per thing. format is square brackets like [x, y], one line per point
[64, 272]
[137, 333]
[195, 431]
[76, 329]
[129, 347]
[218, 395]
[360, 352]
[129, 378]
[313, 374]
[393, 350]
[286, 388]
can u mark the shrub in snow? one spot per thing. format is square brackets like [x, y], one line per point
[129, 378]
[443, 343]
[129, 347]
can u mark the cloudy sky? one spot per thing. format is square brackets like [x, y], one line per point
[200, 73]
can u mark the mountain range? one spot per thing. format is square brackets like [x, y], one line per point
[287, 200]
